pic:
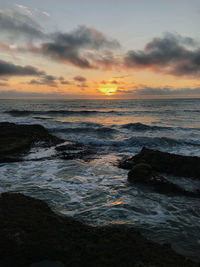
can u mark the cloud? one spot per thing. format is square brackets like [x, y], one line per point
[20, 94]
[169, 91]
[103, 59]
[84, 47]
[51, 80]
[157, 91]
[14, 94]
[114, 82]
[69, 47]
[48, 80]
[17, 25]
[88, 48]
[172, 54]
[63, 81]
[45, 13]
[4, 84]
[80, 79]
[82, 85]
[10, 69]
[110, 82]
[24, 9]
[5, 47]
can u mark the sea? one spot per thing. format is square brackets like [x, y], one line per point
[96, 191]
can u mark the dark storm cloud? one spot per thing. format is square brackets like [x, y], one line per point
[172, 54]
[18, 25]
[80, 79]
[10, 69]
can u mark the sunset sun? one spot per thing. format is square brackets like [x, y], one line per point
[108, 90]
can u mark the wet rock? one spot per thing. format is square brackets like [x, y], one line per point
[126, 163]
[17, 139]
[142, 173]
[177, 165]
[31, 232]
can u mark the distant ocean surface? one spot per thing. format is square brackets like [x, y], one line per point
[97, 192]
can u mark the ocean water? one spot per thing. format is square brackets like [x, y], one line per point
[96, 191]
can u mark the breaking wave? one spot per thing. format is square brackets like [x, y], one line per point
[18, 113]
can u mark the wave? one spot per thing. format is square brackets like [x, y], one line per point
[18, 113]
[99, 128]
[41, 118]
[93, 129]
[143, 127]
[140, 141]
[191, 110]
[160, 141]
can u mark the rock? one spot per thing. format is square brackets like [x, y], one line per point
[143, 174]
[16, 139]
[31, 232]
[140, 172]
[46, 263]
[164, 162]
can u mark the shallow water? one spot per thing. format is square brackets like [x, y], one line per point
[97, 192]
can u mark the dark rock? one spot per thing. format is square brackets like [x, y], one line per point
[142, 173]
[31, 232]
[46, 263]
[177, 165]
[17, 139]
[126, 163]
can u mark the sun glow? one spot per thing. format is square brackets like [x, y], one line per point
[108, 90]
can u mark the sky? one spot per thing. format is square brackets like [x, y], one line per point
[99, 49]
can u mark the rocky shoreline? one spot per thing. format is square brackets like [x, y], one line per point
[31, 232]
[16, 140]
